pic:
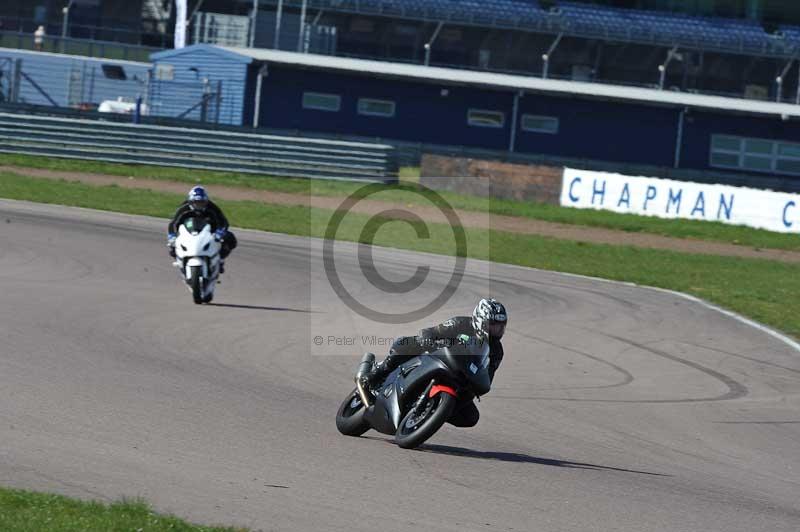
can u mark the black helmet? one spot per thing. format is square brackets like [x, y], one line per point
[489, 318]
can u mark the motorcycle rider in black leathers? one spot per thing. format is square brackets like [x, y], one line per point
[198, 204]
[488, 323]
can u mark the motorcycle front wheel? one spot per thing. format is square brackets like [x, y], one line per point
[196, 282]
[421, 423]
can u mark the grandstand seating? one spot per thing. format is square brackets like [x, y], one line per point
[719, 33]
[649, 27]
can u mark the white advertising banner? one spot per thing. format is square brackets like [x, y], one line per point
[180, 24]
[665, 198]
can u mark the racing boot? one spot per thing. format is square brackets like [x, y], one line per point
[374, 379]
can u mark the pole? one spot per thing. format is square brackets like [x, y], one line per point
[546, 55]
[679, 139]
[180, 24]
[137, 114]
[204, 101]
[16, 81]
[302, 31]
[662, 68]
[429, 44]
[253, 16]
[797, 98]
[148, 80]
[512, 143]
[257, 107]
[278, 16]
[65, 24]
[779, 80]
[218, 103]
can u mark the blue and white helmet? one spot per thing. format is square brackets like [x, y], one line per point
[198, 199]
[489, 319]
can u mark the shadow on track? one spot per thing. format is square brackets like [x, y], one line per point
[525, 458]
[257, 307]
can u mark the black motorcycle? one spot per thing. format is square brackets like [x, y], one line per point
[418, 397]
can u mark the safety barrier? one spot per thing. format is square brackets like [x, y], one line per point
[196, 148]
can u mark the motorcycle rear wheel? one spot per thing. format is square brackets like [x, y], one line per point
[416, 427]
[350, 417]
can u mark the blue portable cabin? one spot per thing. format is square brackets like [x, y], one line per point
[181, 76]
[71, 80]
[405, 102]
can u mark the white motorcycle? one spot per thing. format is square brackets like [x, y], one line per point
[197, 256]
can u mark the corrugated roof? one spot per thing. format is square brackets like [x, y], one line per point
[219, 50]
[515, 83]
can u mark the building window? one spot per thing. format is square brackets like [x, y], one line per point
[757, 155]
[483, 118]
[540, 124]
[370, 107]
[165, 72]
[322, 102]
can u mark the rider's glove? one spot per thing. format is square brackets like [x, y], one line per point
[219, 234]
[171, 240]
[427, 343]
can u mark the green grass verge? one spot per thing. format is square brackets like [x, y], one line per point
[761, 289]
[25, 511]
[711, 231]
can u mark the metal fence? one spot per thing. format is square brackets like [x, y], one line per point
[68, 81]
[533, 18]
[205, 101]
[146, 33]
[72, 46]
[73, 82]
[196, 148]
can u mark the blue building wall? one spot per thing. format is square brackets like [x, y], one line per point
[700, 125]
[588, 129]
[53, 72]
[612, 131]
[174, 97]
[602, 130]
[422, 112]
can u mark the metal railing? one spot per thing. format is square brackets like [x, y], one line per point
[81, 47]
[541, 21]
[131, 31]
[206, 149]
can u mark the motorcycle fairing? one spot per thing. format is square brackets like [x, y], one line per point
[404, 384]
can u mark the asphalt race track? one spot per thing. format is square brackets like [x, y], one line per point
[617, 407]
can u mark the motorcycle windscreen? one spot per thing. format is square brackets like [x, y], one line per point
[195, 224]
[479, 380]
[473, 360]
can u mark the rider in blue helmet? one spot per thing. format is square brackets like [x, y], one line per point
[198, 203]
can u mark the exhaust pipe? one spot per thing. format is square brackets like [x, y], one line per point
[366, 365]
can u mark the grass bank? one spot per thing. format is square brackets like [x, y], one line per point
[761, 289]
[25, 511]
[710, 231]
